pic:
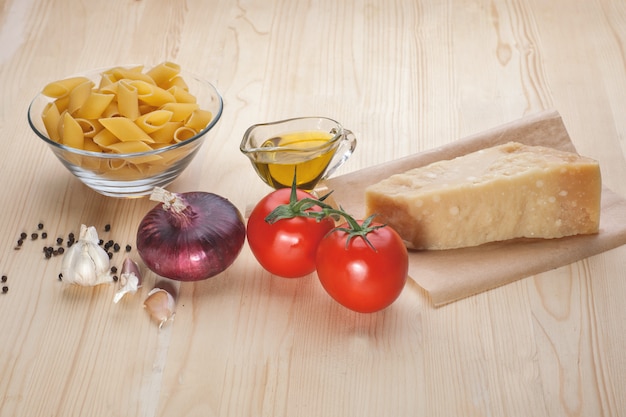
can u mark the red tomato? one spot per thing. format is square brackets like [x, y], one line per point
[359, 277]
[287, 247]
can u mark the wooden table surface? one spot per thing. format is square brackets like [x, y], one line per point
[405, 76]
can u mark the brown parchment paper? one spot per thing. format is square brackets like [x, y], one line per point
[450, 275]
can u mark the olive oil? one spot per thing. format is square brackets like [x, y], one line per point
[303, 154]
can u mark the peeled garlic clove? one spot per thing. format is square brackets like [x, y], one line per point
[130, 279]
[160, 305]
[86, 263]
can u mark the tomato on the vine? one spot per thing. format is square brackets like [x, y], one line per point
[365, 269]
[286, 246]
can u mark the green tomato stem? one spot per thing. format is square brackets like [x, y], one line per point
[302, 208]
[297, 208]
[355, 229]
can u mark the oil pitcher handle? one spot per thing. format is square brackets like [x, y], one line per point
[344, 150]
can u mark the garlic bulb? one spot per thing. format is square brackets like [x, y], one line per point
[86, 263]
[130, 279]
[160, 305]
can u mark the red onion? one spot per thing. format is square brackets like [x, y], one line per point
[190, 236]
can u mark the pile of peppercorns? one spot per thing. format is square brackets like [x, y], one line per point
[109, 246]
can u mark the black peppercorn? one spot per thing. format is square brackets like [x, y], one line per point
[60, 251]
[115, 278]
[128, 248]
[23, 235]
[114, 269]
[116, 247]
[60, 277]
[40, 226]
[4, 278]
[44, 235]
[34, 236]
[107, 227]
[5, 289]
[59, 240]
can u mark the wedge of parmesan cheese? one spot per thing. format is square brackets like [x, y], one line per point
[504, 192]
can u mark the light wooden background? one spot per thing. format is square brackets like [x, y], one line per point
[405, 76]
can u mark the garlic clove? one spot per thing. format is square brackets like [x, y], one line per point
[130, 279]
[86, 263]
[161, 306]
[88, 234]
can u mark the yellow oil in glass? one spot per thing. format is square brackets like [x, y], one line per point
[277, 168]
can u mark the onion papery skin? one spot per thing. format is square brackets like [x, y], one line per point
[198, 243]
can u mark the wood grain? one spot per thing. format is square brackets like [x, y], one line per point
[405, 76]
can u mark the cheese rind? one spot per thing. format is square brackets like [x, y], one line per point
[504, 192]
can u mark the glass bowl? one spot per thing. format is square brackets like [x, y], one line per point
[129, 175]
